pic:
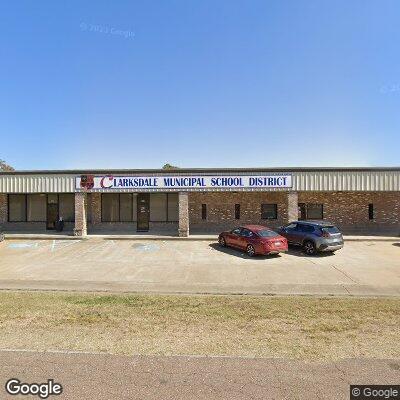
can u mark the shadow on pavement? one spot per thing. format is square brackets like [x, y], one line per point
[240, 253]
[396, 244]
[298, 252]
[293, 251]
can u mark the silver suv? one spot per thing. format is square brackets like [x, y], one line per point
[313, 236]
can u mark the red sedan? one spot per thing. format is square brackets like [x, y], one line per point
[254, 239]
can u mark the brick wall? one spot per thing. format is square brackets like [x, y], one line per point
[80, 214]
[3, 210]
[184, 227]
[348, 210]
[221, 209]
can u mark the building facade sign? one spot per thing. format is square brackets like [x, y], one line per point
[182, 182]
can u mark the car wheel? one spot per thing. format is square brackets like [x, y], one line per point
[250, 250]
[309, 248]
[222, 241]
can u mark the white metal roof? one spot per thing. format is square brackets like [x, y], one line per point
[304, 179]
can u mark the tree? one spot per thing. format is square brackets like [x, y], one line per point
[5, 167]
[169, 166]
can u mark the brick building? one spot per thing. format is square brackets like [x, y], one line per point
[357, 200]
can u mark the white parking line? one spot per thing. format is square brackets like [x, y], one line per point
[62, 244]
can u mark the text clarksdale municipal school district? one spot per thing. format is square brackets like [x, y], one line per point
[182, 182]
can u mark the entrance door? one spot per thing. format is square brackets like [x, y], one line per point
[302, 211]
[52, 211]
[143, 212]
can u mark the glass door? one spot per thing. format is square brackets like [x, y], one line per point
[143, 212]
[302, 211]
[52, 211]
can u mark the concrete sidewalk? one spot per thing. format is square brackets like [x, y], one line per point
[206, 237]
[105, 376]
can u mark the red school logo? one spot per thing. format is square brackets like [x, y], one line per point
[87, 181]
[106, 181]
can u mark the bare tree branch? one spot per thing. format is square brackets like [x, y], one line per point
[5, 167]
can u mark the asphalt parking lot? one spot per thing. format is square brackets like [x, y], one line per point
[360, 268]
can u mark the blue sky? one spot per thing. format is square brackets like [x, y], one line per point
[130, 84]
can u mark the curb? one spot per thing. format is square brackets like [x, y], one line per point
[49, 237]
[339, 291]
[377, 239]
[166, 238]
[93, 237]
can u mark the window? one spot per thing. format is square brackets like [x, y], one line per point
[118, 207]
[315, 211]
[16, 208]
[52, 198]
[370, 211]
[173, 207]
[237, 211]
[158, 207]
[311, 211]
[125, 207]
[305, 228]
[236, 231]
[164, 207]
[66, 204]
[267, 233]
[110, 207]
[122, 207]
[269, 211]
[204, 211]
[247, 233]
[330, 229]
[291, 227]
[36, 205]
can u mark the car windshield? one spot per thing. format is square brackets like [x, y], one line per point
[267, 233]
[330, 229]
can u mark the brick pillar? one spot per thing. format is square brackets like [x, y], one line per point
[80, 214]
[398, 213]
[292, 207]
[95, 209]
[3, 209]
[183, 229]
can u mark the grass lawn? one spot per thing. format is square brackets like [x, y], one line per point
[290, 327]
